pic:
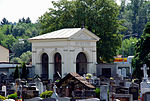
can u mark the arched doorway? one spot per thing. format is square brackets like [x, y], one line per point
[81, 63]
[57, 66]
[44, 74]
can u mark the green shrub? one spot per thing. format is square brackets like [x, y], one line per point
[12, 96]
[2, 97]
[97, 91]
[46, 94]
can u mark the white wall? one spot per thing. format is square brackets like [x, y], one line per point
[68, 50]
[4, 54]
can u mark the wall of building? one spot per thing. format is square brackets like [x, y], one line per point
[68, 50]
[113, 68]
[4, 54]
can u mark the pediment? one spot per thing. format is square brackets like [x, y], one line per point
[84, 35]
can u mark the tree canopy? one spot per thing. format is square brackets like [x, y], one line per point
[142, 53]
[98, 16]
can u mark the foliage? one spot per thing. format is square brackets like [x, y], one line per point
[2, 98]
[142, 53]
[11, 33]
[135, 15]
[98, 16]
[13, 96]
[46, 94]
[4, 21]
[128, 47]
[97, 91]
[25, 57]
[24, 71]
[16, 73]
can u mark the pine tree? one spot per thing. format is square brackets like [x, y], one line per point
[24, 71]
[16, 74]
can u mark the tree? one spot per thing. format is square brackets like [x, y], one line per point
[8, 41]
[98, 16]
[28, 20]
[24, 71]
[142, 53]
[128, 47]
[26, 57]
[16, 74]
[5, 22]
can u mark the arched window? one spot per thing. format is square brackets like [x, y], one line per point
[81, 63]
[44, 66]
[57, 65]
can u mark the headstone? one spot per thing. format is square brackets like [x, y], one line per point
[39, 85]
[104, 92]
[124, 74]
[146, 96]
[145, 84]
[134, 90]
[122, 97]
[4, 89]
[127, 84]
[145, 68]
[54, 95]
[119, 72]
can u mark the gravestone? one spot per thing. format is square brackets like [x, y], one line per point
[145, 84]
[4, 89]
[122, 97]
[104, 92]
[134, 90]
[127, 84]
[119, 72]
[124, 73]
[54, 95]
[146, 96]
[39, 85]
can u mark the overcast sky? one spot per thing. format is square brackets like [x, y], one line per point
[13, 10]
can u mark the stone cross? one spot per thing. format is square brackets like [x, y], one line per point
[54, 95]
[145, 68]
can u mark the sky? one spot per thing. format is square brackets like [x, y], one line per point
[13, 10]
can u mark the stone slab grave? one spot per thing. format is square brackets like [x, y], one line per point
[121, 90]
[134, 90]
[34, 99]
[104, 92]
[122, 97]
[92, 99]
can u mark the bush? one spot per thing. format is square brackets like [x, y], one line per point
[97, 91]
[12, 96]
[2, 97]
[46, 94]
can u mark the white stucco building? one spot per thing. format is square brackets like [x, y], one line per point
[4, 54]
[67, 50]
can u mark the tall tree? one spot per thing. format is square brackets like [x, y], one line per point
[24, 71]
[28, 20]
[142, 53]
[99, 16]
[16, 73]
[5, 21]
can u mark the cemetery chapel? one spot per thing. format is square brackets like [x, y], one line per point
[63, 51]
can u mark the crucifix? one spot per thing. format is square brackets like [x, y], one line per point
[145, 68]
